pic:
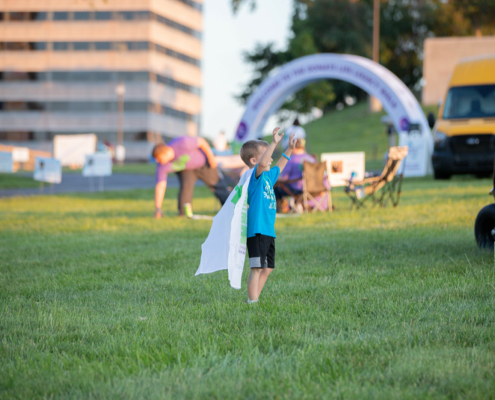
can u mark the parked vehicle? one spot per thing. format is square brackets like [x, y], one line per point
[464, 132]
[484, 226]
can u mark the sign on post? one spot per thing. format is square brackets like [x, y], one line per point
[98, 164]
[20, 154]
[6, 162]
[48, 170]
[342, 165]
[71, 150]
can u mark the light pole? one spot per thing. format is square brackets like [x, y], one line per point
[376, 31]
[374, 103]
[119, 149]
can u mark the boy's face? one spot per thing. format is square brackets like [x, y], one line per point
[256, 160]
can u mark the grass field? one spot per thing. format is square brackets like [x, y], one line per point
[16, 181]
[98, 300]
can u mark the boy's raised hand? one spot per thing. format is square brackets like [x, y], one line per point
[276, 137]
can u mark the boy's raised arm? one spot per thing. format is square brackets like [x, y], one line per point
[267, 155]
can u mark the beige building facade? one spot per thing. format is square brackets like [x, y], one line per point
[440, 57]
[61, 62]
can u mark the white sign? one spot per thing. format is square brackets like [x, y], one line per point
[71, 150]
[20, 154]
[6, 161]
[98, 164]
[119, 152]
[400, 104]
[342, 165]
[47, 170]
[417, 152]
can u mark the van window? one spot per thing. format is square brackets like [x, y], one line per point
[470, 102]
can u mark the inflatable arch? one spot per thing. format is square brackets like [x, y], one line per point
[397, 100]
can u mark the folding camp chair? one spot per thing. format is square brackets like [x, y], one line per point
[314, 177]
[381, 188]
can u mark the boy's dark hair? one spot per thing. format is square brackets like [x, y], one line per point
[251, 149]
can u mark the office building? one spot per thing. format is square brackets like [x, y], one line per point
[62, 61]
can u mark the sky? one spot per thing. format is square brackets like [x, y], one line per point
[225, 38]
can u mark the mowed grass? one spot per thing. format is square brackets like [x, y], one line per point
[16, 181]
[98, 300]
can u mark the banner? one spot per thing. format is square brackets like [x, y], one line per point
[71, 150]
[225, 246]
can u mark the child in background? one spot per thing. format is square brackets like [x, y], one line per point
[262, 208]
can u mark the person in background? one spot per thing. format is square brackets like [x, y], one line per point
[293, 173]
[220, 142]
[297, 130]
[191, 159]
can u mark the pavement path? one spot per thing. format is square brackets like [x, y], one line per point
[72, 183]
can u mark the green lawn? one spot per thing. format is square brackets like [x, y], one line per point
[15, 181]
[98, 300]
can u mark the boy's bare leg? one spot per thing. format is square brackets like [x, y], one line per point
[253, 283]
[263, 277]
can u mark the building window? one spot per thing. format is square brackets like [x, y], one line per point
[60, 46]
[103, 46]
[60, 16]
[81, 46]
[193, 4]
[103, 15]
[124, 15]
[98, 76]
[83, 16]
[142, 15]
[18, 16]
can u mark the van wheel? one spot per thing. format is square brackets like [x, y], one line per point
[441, 175]
[484, 227]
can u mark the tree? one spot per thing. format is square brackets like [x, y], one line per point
[345, 26]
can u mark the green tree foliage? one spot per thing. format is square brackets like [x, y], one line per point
[345, 26]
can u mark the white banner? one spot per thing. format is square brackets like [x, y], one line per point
[98, 164]
[6, 162]
[20, 154]
[48, 170]
[342, 165]
[225, 246]
[71, 150]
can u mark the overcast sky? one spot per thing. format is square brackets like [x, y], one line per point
[225, 37]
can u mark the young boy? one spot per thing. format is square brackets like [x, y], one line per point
[262, 209]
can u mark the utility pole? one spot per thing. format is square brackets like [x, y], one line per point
[374, 103]
[119, 149]
[376, 31]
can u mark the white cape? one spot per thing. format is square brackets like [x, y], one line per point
[225, 246]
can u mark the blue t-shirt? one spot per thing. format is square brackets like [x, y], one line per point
[262, 203]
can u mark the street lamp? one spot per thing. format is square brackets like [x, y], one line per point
[119, 149]
[375, 104]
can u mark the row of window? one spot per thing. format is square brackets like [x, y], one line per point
[96, 46]
[97, 76]
[98, 16]
[95, 106]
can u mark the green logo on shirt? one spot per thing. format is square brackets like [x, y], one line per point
[180, 163]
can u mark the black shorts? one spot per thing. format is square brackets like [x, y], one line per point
[261, 250]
